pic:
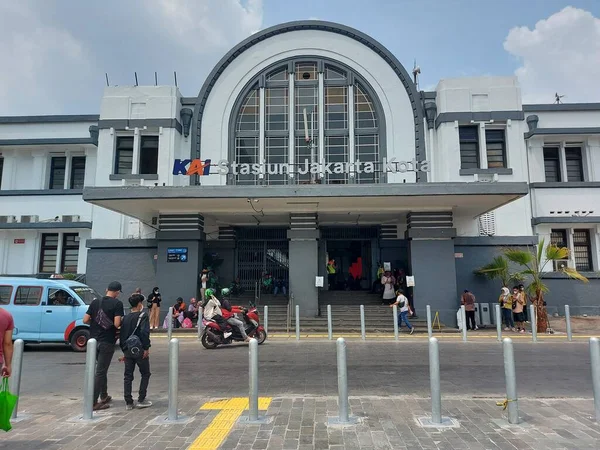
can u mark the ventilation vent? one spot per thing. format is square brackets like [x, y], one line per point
[487, 224]
[30, 219]
[8, 219]
[70, 219]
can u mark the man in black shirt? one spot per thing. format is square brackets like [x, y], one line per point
[130, 322]
[104, 317]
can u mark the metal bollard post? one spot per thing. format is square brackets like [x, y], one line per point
[498, 323]
[511, 381]
[533, 320]
[329, 325]
[429, 326]
[173, 379]
[170, 323]
[266, 321]
[342, 381]
[253, 391]
[463, 315]
[362, 322]
[434, 380]
[395, 312]
[595, 362]
[17, 365]
[88, 381]
[297, 322]
[568, 320]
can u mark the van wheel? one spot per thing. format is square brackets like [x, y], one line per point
[79, 340]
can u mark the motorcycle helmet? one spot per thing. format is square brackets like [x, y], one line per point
[225, 292]
[209, 293]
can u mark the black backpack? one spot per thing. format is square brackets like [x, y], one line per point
[133, 345]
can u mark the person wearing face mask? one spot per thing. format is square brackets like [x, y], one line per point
[505, 301]
[154, 300]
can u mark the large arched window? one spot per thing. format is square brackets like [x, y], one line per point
[307, 121]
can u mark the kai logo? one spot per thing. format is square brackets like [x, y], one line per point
[196, 167]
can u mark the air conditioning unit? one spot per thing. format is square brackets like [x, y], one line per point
[561, 264]
[69, 219]
[30, 219]
[8, 219]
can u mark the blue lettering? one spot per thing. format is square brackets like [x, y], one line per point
[179, 166]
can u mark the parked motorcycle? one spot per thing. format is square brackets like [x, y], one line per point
[213, 335]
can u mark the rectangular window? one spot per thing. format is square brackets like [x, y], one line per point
[469, 147]
[58, 165]
[336, 151]
[305, 154]
[307, 97]
[582, 250]
[77, 172]
[5, 294]
[276, 153]
[495, 141]
[574, 164]
[70, 253]
[28, 295]
[149, 155]
[246, 154]
[124, 155]
[276, 109]
[336, 108]
[367, 150]
[552, 164]
[559, 239]
[49, 253]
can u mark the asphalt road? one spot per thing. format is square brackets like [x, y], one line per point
[473, 369]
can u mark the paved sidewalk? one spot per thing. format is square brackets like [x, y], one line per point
[302, 423]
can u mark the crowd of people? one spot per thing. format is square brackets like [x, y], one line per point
[512, 304]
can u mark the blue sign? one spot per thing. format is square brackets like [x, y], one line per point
[177, 254]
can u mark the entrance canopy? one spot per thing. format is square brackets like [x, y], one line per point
[356, 204]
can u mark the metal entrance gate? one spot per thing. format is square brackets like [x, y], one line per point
[260, 251]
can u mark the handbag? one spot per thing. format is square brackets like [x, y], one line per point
[133, 345]
[7, 405]
[102, 318]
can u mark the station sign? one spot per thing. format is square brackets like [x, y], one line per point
[178, 254]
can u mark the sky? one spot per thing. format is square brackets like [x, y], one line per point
[54, 53]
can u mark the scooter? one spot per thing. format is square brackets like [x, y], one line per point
[213, 335]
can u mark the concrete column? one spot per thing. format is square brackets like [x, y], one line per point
[68, 166]
[135, 164]
[433, 266]
[304, 268]
[179, 279]
[8, 169]
[39, 175]
[562, 157]
[483, 163]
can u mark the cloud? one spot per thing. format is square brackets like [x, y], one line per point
[561, 54]
[57, 52]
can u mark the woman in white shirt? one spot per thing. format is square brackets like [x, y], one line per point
[388, 282]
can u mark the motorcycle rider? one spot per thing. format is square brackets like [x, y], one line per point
[230, 316]
[212, 311]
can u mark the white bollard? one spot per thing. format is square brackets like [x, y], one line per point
[17, 365]
[88, 381]
[429, 325]
[395, 313]
[463, 315]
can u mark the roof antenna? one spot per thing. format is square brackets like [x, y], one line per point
[557, 98]
[155, 79]
[106, 75]
[175, 76]
[416, 72]
[136, 80]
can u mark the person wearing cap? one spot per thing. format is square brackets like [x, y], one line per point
[104, 318]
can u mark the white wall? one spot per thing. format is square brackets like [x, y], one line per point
[566, 119]
[400, 130]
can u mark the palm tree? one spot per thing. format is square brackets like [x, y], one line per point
[499, 269]
[533, 265]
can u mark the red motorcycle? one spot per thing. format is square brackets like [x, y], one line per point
[213, 335]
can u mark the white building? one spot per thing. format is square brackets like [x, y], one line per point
[436, 183]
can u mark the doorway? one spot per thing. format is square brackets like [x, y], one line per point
[353, 262]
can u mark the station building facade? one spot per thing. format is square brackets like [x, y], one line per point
[307, 141]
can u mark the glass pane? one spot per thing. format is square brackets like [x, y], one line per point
[336, 108]
[365, 116]
[248, 118]
[305, 154]
[276, 155]
[58, 297]
[281, 75]
[574, 164]
[367, 151]
[306, 72]
[57, 172]
[582, 250]
[124, 155]
[149, 155]
[551, 164]
[334, 74]
[276, 109]
[307, 99]
[27, 295]
[558, 238]
[495, 148]
[5, 294]
[336, 151]
[246, 154]
[77, 172]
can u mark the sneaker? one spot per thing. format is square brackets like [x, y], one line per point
[129, 406]
[522, 331]
[506, 329]
[226, 335]
[100, 406]
[144, 404]
[412, 330]
[106, 400]
[476, 328]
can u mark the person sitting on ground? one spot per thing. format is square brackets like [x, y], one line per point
[178, 310]
[236, 287]
[229, 316]
[212, 311]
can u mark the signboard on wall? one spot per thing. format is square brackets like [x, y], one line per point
[19, 241]
[319, 282]
[410, 281]
[387, 266]
[177, 254]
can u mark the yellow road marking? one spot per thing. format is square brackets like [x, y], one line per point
[230, 411]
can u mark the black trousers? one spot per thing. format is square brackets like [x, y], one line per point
[103, 360]
[331, 281]
[144, 366]
[470, 320]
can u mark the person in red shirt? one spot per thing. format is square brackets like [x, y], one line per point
[6, 344]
